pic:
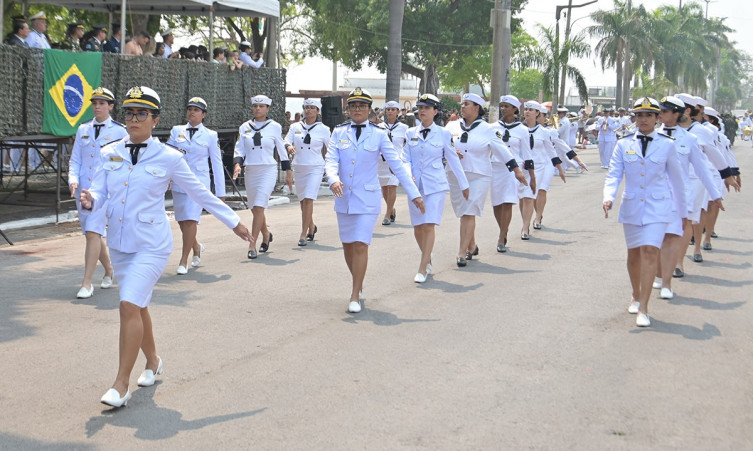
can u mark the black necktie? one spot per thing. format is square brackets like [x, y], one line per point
[644, 143]
[425, 132]
[97, 129]
[358, 129]
[307, 138]
[464, 136]
[257, 135]
[134, 149]
[669, 131]
[191, 131]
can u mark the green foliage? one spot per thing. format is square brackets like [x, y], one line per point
[526, 84]
[725, 98]
[448, 104]
[58, 18]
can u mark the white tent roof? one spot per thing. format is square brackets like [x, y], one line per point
[226, 8]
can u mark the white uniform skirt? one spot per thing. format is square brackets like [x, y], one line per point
[308, 179]
[544, 173]
[356, 227]
[386, 177]
[91, 221]
[719, 183]
[646, 235]
[697, 194]
[185, 208]
[137, 274]
[260, 182]
[434, 206]
[675, 227]
[504, 185]
[524, 191]
[479, 189]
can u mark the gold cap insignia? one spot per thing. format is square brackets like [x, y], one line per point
[135, 93]
[499, 135]
[98, 91]
[646, 103]
[664, 99]
[357, 92]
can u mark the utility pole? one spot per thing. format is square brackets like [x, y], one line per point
[499, 21]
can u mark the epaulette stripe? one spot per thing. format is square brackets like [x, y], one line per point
[175, 147]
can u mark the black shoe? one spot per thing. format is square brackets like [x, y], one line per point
[475, 251]
[536, 226]
[714, 235]
[698, 258]
[501, 248]
[461, 262]
[525, 236]
[678, 273]
[386, 222]
[310, 237]
[265, 246]
[252, 254]
[392, 216]
[468, 256]
[692, 240]
[301, 242]
[706, 246]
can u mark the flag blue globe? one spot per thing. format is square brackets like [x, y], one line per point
[73, 95]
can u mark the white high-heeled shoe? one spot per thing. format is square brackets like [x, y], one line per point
[182, 270]
[354, 307]
[420, 278]
[106, 282]
[85, 293]
[147, 378]
[112, 398]
[197, 260]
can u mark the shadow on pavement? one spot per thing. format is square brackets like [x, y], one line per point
[705, 304]
[707, 332]
[381, 318]
[9, 441]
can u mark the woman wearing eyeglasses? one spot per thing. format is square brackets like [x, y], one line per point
[200, 144]
[131, 185]
[396, 132]
[257, 141]
[475, 142]
[351, 166]
[307, 140]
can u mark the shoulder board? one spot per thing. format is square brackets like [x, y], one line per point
[118, 123]
[112, 142]
[629, 134]
[666, 136]
[343, 124]
[174, 147]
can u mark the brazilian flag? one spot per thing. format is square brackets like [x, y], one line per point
[69, 79]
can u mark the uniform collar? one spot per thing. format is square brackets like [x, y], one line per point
[105, 123]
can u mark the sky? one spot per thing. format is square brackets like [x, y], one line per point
[316, 73]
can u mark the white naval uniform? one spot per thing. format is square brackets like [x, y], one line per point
[248, 61]
[138, 234]
[37, 40]
[505, 187]
[544, 155]
[85, 160]
[261, 167]
[353, 162]
[425, 159]
[308, 162]
[204, 146]
[396, 133]
[654, 188]
[607, 126]
[563, 150]
[573, 138]
[483, 146]
[708, 143]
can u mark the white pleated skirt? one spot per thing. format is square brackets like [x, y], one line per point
[260, 182]
[386, 177]
[308, 179]
[91, 221]
[355, 228]
[646, 235]
[504, 187]
[479, 189]
[544, 173]
[185, 208]
[434, 206]
[137, 274]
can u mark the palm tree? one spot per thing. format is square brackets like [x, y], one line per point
[394, 49]
[552, 63]
[611, 49]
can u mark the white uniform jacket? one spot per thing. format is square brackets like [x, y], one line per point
[484, 146]
[396, 132]
[271, 139]
[37, 40]
[708, 144]
[85, 155]
[647, 197]
[561, 147]
[515, 135]
[136, 192]
[543, 151]
[607, 133]
[199, 150]
[354, 163]
[425, 159]
[308, 154]
[573, 138]
[563, 131]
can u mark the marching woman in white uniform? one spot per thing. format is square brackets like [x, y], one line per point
[85, 159]
[257, 141]
[504, 186]
[695, 170]
[306, 140]
[200, 144]
[545, 160]
[396, 132]
[134, 175]
[654, 187]
[477, 143]
[427, 144]
[351, 163]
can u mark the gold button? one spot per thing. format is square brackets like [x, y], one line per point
[643, 162]
[350, 189]
[351, 175]
[92, 155]
[120, 219]
[122, 201]
[90, 179]
[90, 167]
[152, 221]
[354, 161]
[130, 168]
[126, 183]
[641, 186]
[112, 167]
[154, 172]
[641, 199]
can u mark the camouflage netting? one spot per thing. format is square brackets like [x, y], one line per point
[227, 92]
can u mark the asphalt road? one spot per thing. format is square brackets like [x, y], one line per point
[532, 349]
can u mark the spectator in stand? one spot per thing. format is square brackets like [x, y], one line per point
[72, 37]
[113, 44]
[19, 34]
[233, 60]
[255, 61]
[37, 37]
[159, 50]
[297, 117]
[219, 56]
[168, 39]
[202, 53]
[136, 45]
[96, 39]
